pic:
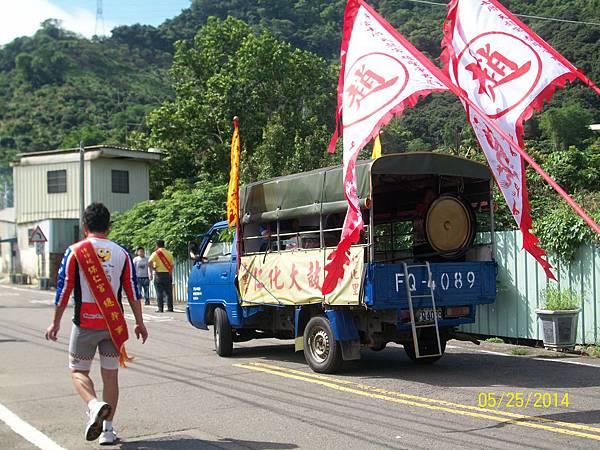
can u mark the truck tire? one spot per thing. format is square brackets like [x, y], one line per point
[321, 351]
[409, 348]
[222, 333]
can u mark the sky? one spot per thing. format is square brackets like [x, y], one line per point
[23, 17]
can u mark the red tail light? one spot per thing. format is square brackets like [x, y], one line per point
[458, 311]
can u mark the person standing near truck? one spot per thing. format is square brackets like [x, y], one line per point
[141, 270]
[161, 268]
[94, 270]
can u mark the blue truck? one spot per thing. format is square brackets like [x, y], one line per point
[423, 263]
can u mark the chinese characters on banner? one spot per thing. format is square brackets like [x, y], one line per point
[380, 75]
[507, 71]
[104, 296]
[295, 278]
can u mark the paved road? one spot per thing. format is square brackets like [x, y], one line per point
[179, 395]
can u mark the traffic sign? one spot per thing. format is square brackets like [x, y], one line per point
[37, 236]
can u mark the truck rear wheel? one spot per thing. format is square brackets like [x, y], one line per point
[321, 351]
[222, 333]
[427, 346]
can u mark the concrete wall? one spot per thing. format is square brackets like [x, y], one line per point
[32, 264]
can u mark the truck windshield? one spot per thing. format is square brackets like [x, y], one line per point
[219, 245]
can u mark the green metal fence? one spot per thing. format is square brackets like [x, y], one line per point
[520, 281]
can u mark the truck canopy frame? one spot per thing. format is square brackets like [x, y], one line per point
[320, 192]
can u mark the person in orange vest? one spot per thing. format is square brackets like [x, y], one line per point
[161, 269]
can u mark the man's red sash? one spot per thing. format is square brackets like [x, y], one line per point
[105, 298]
[163, 258]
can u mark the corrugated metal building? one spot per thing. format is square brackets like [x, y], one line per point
[46, 193]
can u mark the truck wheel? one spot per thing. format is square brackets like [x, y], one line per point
[321, 351]
[378, 347]
[427, 346]
[222, 333]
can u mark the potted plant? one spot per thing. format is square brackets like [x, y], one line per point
[559, 318]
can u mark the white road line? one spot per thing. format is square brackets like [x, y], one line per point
[477, 350]
[30, 290]
[564, 361]
[19, 426]
[150, 318]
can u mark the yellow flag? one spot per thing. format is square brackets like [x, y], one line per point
[376, 148]
[233, 192]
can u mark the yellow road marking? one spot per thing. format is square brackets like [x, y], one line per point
[424, 402]
[575, 426]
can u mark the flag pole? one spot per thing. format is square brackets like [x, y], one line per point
[238, 246]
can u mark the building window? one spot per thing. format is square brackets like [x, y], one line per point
[120, 181]
[57, 181]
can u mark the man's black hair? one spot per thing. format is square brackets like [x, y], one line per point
[139, 248]
[160, 243]
[96, 218]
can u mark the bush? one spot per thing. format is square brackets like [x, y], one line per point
[560, 299]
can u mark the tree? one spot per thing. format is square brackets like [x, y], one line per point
[284, 98]
[566, 125]
[181, 216]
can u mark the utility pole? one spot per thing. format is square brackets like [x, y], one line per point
[81, 188]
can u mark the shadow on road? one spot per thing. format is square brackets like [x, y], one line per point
[191, 443]
[456, 369]
[592, 416]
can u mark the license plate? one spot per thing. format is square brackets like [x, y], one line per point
[426, 315]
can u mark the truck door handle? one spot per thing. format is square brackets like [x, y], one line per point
[224, 274]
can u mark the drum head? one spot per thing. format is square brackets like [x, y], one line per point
[449, 225]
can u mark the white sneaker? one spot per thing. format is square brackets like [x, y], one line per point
[97, 414]
[108, 437]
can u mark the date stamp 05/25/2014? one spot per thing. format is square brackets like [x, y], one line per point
[523, 399]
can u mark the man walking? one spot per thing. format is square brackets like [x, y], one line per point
[161, 264]
[141, 270]
[94, 269]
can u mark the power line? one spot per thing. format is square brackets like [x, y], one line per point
[554, 19]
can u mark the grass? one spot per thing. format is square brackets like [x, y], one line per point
[560, 299]
[519, 351]
[592, 350]
[494, 340]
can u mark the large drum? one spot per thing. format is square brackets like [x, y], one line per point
[450, 226]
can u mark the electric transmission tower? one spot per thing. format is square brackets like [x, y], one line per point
[99, 29]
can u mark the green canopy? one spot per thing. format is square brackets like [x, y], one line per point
[321, 191]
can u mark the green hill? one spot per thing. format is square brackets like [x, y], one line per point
[57, 88]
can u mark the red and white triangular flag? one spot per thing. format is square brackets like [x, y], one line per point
[381, 74]
[508, 71]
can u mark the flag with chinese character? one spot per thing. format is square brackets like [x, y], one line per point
[376, 148]
[381, 73]
[508, 72]
[233, 192]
